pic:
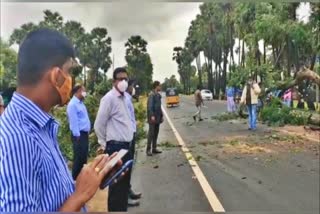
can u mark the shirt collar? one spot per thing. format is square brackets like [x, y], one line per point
[76, 99]
[116, 92]
[31, 110]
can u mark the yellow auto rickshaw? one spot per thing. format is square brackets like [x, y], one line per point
[172, 97]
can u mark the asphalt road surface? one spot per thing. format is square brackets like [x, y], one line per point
[282, 182]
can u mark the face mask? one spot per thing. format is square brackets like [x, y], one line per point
[65, 89]
[133, 91]
[122, 86]
[83, 94]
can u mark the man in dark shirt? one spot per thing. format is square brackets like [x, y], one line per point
[155, 118]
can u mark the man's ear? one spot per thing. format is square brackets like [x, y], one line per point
[54, 77]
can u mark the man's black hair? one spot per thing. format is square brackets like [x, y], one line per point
[155, 84]
[76, 89]
[117, 71]
[41, 50]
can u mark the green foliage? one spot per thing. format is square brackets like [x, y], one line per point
[92, 49]
[287, 42]
[141, 115]
[172, 82]
[8, 65]
[139, 64]
[64, 134]
[102, 88]
[277, 115]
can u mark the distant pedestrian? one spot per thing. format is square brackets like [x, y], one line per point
[231, 92]
[155, 118]
[287, 97]
[249, 97]
[79, 124]
[199, 103]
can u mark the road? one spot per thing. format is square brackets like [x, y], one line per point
[260, 175]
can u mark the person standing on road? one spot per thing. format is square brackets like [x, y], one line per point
[249, 97]
[198, 102]
[133, 197]
[230, 92]
[1, 105]
[34, 175]
[114, 130]
[79, 124]
[155, 118]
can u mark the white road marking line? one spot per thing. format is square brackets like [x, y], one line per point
[208, 191]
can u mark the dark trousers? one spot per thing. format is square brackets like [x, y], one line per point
[80, 153]
[133, 152]
[153, 136]
[118, 193]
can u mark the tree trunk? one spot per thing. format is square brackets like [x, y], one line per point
[239, 56]
[303, 74]
[288, 57]
[264, 53]
[198, 63]
[313, 61]
[217, 80]
[224, 72]
[210, 77]
[243, 55]
[85, 75]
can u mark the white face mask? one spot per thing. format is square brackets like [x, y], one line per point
[83, 94]
[133, 91]
[122, 86]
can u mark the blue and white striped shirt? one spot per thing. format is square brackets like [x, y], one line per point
[33, 173]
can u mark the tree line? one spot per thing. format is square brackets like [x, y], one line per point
[92, 50]
[270, 42]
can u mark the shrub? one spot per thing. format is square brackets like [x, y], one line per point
[141, 115]
[277, 115]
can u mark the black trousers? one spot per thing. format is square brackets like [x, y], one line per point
[153, 136]
[118, 193]
[80, 153]
[133, 152]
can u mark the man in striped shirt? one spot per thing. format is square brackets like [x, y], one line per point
[33, 174]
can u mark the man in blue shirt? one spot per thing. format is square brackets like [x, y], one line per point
[33, 174]
[80, 126]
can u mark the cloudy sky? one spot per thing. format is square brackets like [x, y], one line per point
[163, 25]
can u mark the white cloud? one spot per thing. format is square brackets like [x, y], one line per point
[163, 25]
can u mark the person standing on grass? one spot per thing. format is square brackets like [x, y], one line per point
[114, 130]
[155, 118]
[249, 97]
[80, 127]
[230, 92]
[34, 177]
[199, 103]
[133, 196]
